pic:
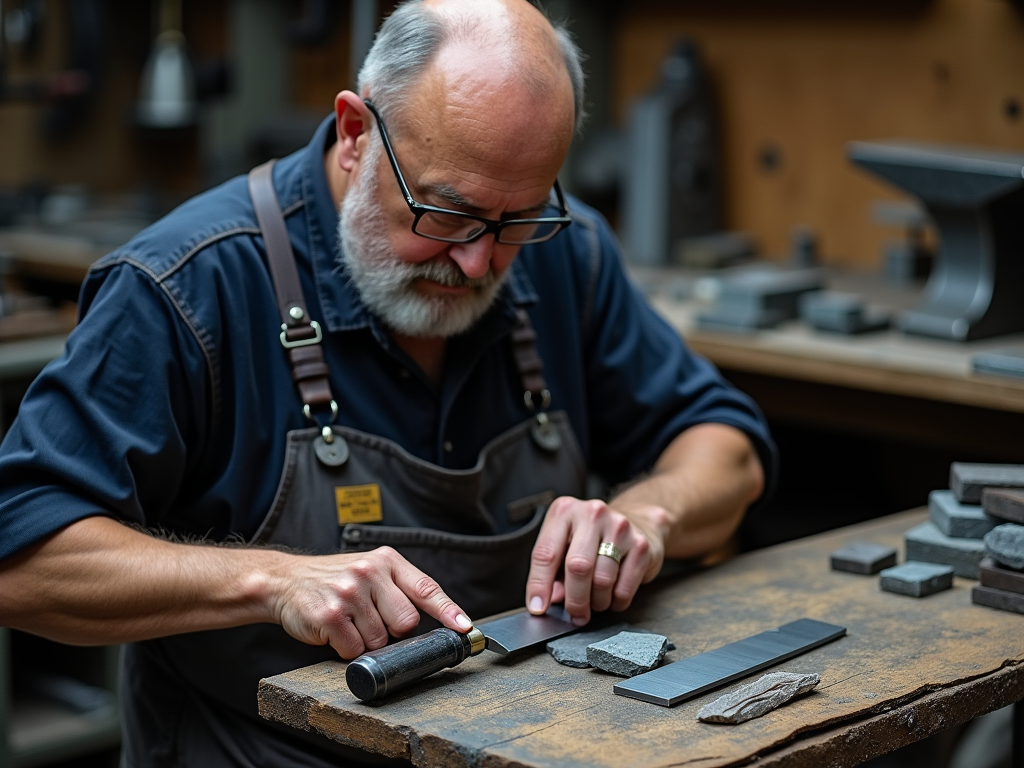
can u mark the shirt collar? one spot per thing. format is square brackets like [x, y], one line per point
[339, 301]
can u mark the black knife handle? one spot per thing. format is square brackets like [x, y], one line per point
[378, 673]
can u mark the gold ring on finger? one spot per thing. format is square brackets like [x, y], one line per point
[608, 549]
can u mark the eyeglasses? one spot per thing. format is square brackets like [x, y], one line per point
[450, 226]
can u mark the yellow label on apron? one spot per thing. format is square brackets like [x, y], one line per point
[358, 504]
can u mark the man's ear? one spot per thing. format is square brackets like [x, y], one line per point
[354, 120]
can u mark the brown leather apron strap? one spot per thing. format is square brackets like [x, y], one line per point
[528, 363]
[300, 336]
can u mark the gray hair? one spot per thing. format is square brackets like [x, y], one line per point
[409, 39]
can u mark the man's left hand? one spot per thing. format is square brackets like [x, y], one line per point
[566, 565]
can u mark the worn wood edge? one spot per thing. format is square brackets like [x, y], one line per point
[904, 721]
[307, 714]
[965, 389]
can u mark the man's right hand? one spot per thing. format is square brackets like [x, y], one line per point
[98, 582]
[353, 601]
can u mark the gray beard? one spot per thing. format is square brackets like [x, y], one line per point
[386, 284]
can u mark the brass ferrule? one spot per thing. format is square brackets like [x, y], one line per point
[477, 641]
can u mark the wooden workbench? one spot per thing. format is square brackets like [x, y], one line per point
[908, 668]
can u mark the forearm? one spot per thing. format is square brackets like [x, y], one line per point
[97, 581]
[698, 492]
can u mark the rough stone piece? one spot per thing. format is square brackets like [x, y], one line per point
[571, 650]
[758, 698]
[861, 557]
[926, 543]
[961, 521]
[1004, 504]
[1005, 545]
[968, 480]
[997, 598]
[628, 653]
[992, 574]
[917, 579]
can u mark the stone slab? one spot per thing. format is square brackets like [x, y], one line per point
[1005, 545]
[1004, 504]
[628, 653]
[688, 678]
[757, 698]
[968, 480]
[927, 544]
[863, 558]
[992, 574]
[917, 579]
[997, 598]
[961, 521]
[572, 649]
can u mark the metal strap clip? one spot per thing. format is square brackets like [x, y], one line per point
[301, 342]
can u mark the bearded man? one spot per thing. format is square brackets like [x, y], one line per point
[379, 371]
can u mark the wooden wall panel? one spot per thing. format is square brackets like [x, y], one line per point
[807, 80]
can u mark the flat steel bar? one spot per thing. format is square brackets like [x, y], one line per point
[688, 678]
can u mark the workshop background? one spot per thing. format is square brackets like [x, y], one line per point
[749, 154]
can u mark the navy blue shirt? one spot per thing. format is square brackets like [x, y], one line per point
[170, 405]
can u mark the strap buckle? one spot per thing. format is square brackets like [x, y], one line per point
[301, 342]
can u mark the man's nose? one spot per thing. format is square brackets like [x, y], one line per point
[474, 259]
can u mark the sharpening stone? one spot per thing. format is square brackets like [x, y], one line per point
[917, 579]
[961, 521]
[864, 558]
[840, 313]
[571, 650]
[968, 480]
[706, 671]
[926, 543]
[997, 598]
[759, 299]
[628, 653]
[1005, 545]
[1004, 504]
[992, 574]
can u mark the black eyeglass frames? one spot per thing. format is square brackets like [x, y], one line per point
[451, 226]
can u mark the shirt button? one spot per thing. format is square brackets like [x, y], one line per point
[447, 446]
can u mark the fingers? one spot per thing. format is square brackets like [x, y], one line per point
[354, 602]
[427, 595]
[566, 565]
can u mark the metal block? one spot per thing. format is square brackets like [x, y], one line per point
[961, 521]
[926, 543]
[917, 579]
[968, 480]
[759, 299]
[844, 313]
[992, 574]
[997, 598]
[861, 557]
[688, 678]
[1008, 363]
[1004, 504]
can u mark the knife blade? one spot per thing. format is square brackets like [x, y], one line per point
[378, 673]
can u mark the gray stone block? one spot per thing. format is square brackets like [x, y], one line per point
[628, 653]
[1005, 545]
[1004, 504]
[862, 557]
[968, 480]
[571, 650]
[758, 698]
[917, 579]
[961, 521]
[992, 574]
[997, 598]
[926, 543]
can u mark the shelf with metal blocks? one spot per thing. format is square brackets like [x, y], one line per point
[57, 702]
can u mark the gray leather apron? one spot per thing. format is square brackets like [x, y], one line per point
[191, 699]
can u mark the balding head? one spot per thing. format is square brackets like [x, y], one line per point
[502, 45]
